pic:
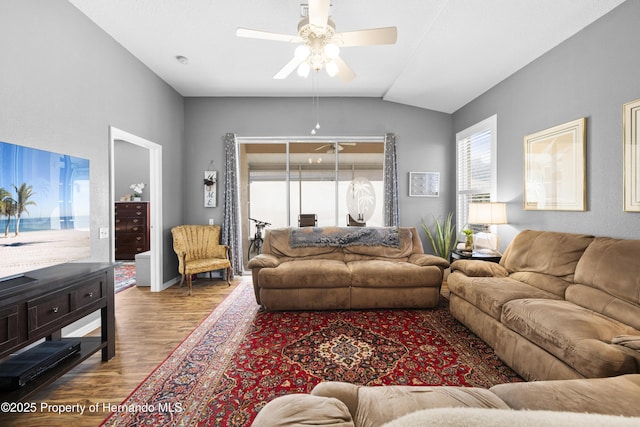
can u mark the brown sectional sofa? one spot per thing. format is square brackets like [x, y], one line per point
[558, 306]
[592, 402]
[319, 268]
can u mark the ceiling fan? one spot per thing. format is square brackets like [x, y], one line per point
[331, 147]
[320, 43]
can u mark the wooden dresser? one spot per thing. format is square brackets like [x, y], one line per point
[132, 229]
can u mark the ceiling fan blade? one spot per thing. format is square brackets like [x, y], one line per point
[265, 35]
[319, 13]
[345, 73]
[322, 147]
[374, 36]
[288, 69]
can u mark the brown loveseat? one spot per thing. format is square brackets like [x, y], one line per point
[317, 268]
[558, 306]
[583, 402]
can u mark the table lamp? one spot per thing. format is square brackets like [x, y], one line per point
[486, 214]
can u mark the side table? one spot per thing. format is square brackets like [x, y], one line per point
[476, 255]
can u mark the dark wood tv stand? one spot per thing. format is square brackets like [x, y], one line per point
[44, 301]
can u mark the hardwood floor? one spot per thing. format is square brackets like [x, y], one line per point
[148, 328]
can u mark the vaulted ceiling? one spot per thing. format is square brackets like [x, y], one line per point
[448, 52]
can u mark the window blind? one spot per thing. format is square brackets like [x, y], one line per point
[474, 173]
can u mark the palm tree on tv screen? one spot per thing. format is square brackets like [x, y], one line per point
[5, 207]
[24, 192]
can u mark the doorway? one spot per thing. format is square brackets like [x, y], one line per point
[155, 200]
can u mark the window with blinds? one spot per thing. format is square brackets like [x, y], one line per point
[476, 167]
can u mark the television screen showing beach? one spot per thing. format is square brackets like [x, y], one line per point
[44, 209]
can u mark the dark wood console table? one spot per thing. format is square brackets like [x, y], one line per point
[42, 302]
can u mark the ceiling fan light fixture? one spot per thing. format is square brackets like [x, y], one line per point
[331, 51]
[332, 68]
[303, 69]
[317, 33]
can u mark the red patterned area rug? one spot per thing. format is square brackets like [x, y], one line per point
[239, 359]
[125, 276]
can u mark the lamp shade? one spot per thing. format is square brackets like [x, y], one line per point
[487, 213]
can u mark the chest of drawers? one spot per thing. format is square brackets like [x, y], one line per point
[131, 229]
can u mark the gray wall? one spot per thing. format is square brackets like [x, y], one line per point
[131, 167]
[63, 82]
[591, 75]
[423, 141]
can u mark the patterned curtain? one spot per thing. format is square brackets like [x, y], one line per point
[390, 199]
[231, 220]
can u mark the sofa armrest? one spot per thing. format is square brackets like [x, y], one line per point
[263, 260]
[424, 260]
[303, 410]
[345, 392]
[478, 268]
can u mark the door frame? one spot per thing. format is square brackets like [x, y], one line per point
[155, 200]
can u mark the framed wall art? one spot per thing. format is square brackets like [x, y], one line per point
[424, 184]
[630, 120]
[554, 168]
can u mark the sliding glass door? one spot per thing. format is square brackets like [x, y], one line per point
[282, 179]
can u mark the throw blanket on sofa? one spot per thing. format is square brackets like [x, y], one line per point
[344, 236]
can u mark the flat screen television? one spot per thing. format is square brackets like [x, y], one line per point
[44, 209]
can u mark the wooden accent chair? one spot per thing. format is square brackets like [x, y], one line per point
[307, 220]
[353, 223]
[199, 250]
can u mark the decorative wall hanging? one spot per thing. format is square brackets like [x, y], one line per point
[424, 184]
[361, 199]
[630, 121]
[210, 184]
[554, 168]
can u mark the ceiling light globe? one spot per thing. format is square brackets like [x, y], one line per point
[302, 52]
[332, 69]
[303, 69]
[331, 51]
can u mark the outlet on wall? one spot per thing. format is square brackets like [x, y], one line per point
[211, 221]
[104, 232]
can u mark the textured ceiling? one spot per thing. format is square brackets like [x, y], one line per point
[448, 51]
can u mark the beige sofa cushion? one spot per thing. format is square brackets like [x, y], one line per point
[579, 337]
[604, 303]
[374, 406]
[382, 273]
[611, 268]
[547, 252]
[596, 395]
[306, 273]
[489, 294]
[460, 417]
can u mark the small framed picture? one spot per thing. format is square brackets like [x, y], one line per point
[424, 184]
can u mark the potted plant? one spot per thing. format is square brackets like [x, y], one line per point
[137, 191]
[468, 240]
[442, 239]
